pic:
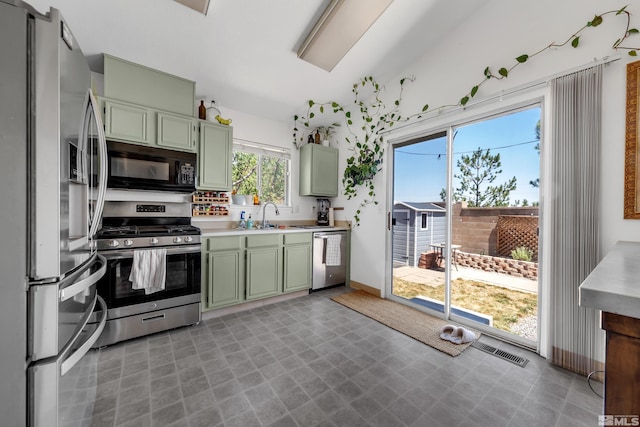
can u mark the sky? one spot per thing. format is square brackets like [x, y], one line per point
[420, 169]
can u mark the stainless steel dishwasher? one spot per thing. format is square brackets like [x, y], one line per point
[329, 258]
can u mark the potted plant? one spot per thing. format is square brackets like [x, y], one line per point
[326, 132]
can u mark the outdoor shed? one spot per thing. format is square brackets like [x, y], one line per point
[416, 225]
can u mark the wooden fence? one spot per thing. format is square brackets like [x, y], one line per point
[516, 231]
[477, 230]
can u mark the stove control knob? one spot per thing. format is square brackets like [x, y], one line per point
[114, 243]
[153, 241]
[188, 239]
[128, 242]
[177, 240]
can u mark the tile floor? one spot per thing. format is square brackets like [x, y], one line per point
[312, 362]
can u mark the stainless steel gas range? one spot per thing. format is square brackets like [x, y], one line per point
[141, 242]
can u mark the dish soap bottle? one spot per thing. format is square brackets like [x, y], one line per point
[249, 223]
[242, 223]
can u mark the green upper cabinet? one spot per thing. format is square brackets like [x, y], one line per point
[129, 122]
[147, 106]
[177, 132]
[142, 85]
[318, 171]
[137, 124]
[214, 157]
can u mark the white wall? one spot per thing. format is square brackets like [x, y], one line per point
[497, 33]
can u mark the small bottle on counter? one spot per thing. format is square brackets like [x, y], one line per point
[249, 223]
[242, 223]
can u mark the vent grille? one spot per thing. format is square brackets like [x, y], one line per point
[509, 357]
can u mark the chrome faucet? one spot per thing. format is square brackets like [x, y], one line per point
[264, 208]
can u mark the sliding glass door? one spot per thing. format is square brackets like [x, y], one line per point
[465, 224]
[419, 219]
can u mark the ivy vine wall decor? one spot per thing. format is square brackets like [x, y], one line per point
[366, 136]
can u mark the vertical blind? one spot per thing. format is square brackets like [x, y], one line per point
[577, 342]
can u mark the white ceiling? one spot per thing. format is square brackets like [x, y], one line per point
[243, 52]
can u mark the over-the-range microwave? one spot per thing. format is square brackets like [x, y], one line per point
[135, 167]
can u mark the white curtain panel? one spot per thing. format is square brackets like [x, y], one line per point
[577, 342]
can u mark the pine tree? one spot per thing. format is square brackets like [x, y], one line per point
[478, 172]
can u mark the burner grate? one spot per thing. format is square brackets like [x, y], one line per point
[125, 230]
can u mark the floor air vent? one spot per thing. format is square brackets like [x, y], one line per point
[520, 361]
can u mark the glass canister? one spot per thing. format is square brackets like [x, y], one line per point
[212, 112]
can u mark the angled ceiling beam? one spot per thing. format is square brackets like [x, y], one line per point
[341, 25]
[198, 5]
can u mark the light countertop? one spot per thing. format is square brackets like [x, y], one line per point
[214, 232]
[614, 285]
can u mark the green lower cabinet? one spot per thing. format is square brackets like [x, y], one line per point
[264, 272]
[297, 268]
[223, 271]
[243, 268]
[297, 262]
[225, 278]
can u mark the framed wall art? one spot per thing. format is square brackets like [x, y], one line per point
[631, 175]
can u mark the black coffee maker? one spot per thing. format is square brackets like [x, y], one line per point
[323, 211]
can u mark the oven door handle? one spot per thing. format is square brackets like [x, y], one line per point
[75, 357]
[84, 284]
[128, 253]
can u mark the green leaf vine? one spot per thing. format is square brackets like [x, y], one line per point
[366, 138]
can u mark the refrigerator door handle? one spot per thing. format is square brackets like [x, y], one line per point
[102, 148]
[75, 357]
[84, 284]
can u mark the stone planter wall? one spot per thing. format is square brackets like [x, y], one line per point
[512, 267]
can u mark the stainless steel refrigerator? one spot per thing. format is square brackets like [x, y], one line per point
[52, 190]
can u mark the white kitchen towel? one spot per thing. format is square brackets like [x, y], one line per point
[333, 250]
[149, 270]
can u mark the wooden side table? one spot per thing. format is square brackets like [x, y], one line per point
[622, 367]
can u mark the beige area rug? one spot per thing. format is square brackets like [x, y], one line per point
[409, 321]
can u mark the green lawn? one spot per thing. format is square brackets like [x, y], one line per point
[505, 305]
